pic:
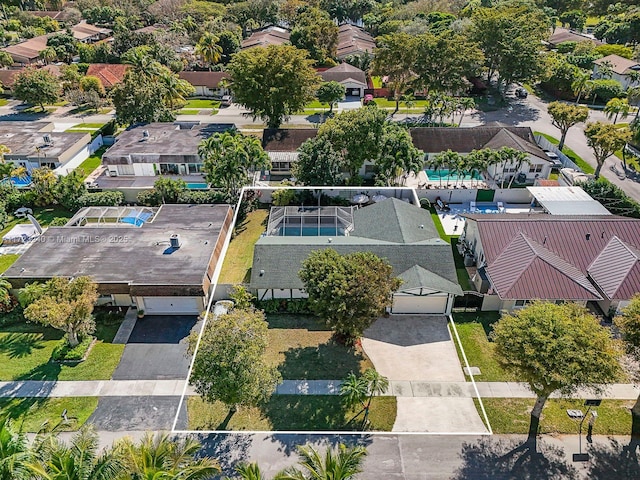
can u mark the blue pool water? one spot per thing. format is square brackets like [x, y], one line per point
[20, 182]
[197, 186]
[310, 231]
[137, 220]
[443, 174]
[487, 209]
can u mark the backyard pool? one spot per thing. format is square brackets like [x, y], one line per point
[20, 182]
[445, 175]
[197, 186]
[310, 231]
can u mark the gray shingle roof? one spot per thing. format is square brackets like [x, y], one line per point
[418, 276]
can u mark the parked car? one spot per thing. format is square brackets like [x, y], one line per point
[226, 100]
[22, 212]
[521, 92]
[553, 157]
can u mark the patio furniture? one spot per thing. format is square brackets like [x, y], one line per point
[500, 207]
[472, 207]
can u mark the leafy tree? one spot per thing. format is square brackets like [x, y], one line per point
[315, 32]
[565, 116]
[6, 60]
[612, 197]
[356, 134]
[48, 55]
[616, 107]
[229, 366]
[208, 47]
[318, 163]
[169, 189]
[229, 41]
[80, 458]
[574, 19]
[555, 348]
[91, 83]
[344, 464]
[69, 188]
[38, 87]
[510, 36]
[157, 456]
[140, 99]
[63, 304]
[395, 58]
[398, 155]
[228, 159]
[605, 89]
[343, 10]
[331, 93]
[64, 44]
[14, 451]
[605, 139]
[359, 391]
[242, 298]
[273, 82]
[43, 184]
[348, 292]
[629, 324]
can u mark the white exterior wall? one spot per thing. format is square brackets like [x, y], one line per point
[143, 169]
[496, 171]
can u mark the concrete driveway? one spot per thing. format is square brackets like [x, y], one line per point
[157, 349]
[115, 414]
[419, 348]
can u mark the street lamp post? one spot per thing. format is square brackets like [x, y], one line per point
[578, 415]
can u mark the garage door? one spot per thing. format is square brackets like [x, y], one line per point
[419, 304]
[173, 305]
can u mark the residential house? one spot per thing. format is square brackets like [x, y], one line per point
[207, 84]
[433, 140]
[557, 258]
[87, 33]
[161, 259]
[8, 77]
[625, 71]
[353, 40]
[563, 35]
[398, 231]
[281, 144]
[110, 74]
[267, 36]
[35, 144]
[353, 79]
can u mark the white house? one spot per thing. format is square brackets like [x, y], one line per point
[622, 70]
[353, 79]
[207, 84]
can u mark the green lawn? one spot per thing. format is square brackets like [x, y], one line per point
[36, 411]
[35, 109]
[85, 128]
[239, 258]
[92, 162]
[304, 350]
[461, 271]
[473, 329]
[44, 215]
[25, 352]
[577, 159]
[7, 260]
[201, 104]
[3, 102]
[512, 415]
[291, 412]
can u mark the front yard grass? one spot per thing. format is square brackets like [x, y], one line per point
[291, 412]
[577, 159]
[473, 329]
[512, 415]
[201, 104]
[239, 258]
[44, 215]
[34, 412]
[92, 162]
[25, 353]
[305, 350]
[7, 260]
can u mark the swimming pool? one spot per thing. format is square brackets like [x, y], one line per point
[197, 186]
[445, 175]
[310, 231]
[20, 182]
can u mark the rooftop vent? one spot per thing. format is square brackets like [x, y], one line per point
[174, 240]
[588, 236]
[47, 139]
[145, 134]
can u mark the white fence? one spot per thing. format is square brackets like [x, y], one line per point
[79, 157]
[547, 145]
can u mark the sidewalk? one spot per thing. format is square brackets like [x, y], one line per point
[142, 388]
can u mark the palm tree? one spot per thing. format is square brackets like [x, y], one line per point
[514, 157]
[57, 460]
[48, 55]
[579, 85]
[175, 89]
[463, 104]
[605, 69]
[633, 96]
[409, 101]
[159, 457]
[615, 107]
[361, 390]
[142, 63]
[208, 48]
[14, 451]
[249, 471]
[344, 464]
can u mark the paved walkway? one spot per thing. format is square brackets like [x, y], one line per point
[136, 388]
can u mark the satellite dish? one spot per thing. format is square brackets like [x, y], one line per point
[35, 223]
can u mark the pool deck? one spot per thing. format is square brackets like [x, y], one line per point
[141, 182]
[453, 223]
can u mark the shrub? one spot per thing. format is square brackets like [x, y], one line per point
[605, 90]
[103, 199]
[13, 317]
[614, 49]
[282, 305]
[567, 47]
[64, 353]
[612, 197]
[149, 198]
[201, 196]
[58, 222]
[9, 305]
[283, 198]
[3, 216]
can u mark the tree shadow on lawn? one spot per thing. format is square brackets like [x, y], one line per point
[328, 361]
[305, 413]
[499, 459]
[20, 345]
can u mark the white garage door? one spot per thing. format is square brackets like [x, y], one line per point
[419, 304]
[172, 305]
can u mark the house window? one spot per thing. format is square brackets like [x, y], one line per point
[521, 303]
[510, 169]
[194, 168]
[280, 166]
[535, 168]
[169, 169]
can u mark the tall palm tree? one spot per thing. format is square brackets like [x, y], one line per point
[513, 157]
[579, 84]
[48, 55]
[208, 48]
[160, 457]
[344, 464]
[633, 96]
[14, 451]
[142, 62]
[175, 89]
[78, 460]
[616, 107]
[462, 105]
[249, 471]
